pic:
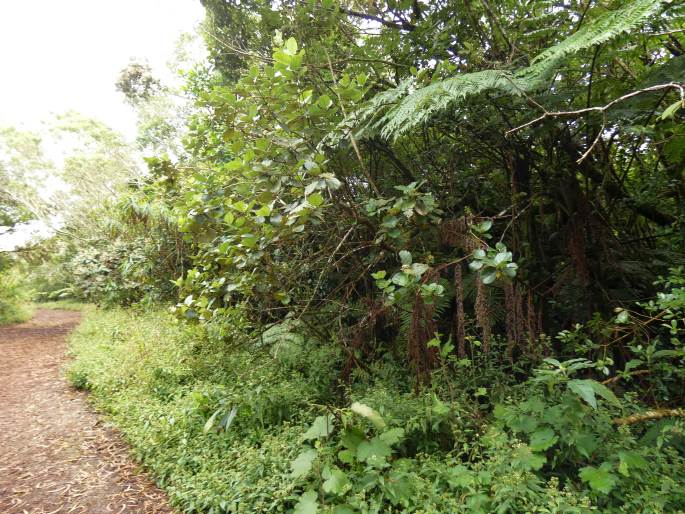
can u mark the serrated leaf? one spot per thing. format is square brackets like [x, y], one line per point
[303, 463]
[599, 479]
[585, 390]
[308, 503]
[586, 444]
[322, 427]
[336, 482]
[542, 439]
[392, 436]
[351, 438]
[630, 460]
[526, 460]
[605, 392]
[373, 451]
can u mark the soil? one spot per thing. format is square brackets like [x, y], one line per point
[56, 454]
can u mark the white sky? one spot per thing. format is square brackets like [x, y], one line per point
[60, 55]
[57, 55]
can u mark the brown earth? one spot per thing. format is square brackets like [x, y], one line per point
[56, 454]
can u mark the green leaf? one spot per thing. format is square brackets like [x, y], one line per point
[316, 199]
[373, 451]
[343, 509]
[324, 101]
[670, 111]
[483, 226]
[526, 460]
[502, 257]
[379, 275]
[605, 393]
[401, 279]
[585, 390]
[233, 165]
[308, 503]
[210, 422]
[599, 478]
[332, 182]
[264, 210]
[622, 317]
[290, 46]
[351, 438]
[336, 482]
[405, 257]
[303, 463]
[586, 444]
[392, 436]
[489, 277]
[249, 240]
[367, 412]
[476, 265]
[322, 427]
[542, 439]
[630, 460]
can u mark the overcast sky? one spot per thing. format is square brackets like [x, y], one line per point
[57, 55]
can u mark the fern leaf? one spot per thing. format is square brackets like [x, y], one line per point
[409, 108]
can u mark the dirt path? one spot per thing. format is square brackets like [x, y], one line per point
[56, 454]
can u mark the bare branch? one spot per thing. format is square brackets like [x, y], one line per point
[604, 108]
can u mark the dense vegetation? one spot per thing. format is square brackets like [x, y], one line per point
[397, 256]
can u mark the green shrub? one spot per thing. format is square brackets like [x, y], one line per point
[15, 306]
[228, 422]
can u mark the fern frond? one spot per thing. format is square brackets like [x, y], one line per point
[411, 108]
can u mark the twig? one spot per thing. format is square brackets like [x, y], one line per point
[330, 259]
[631, 374]
[650, 415]
[597, 138]
[368, 176]
[667, 33]
[604, 108]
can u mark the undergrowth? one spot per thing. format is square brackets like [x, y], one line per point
[227, 423]
[15, 304]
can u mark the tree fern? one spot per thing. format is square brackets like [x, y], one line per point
[421, 105]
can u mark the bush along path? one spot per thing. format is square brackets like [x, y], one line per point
[57, 455]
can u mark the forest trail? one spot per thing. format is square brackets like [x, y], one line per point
[56, 454]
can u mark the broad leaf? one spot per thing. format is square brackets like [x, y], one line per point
[599, 479]
[303, 463]
[322, 427]
[308, 503]
[336, 482]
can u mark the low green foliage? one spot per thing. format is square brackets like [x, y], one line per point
[66, 305]
[228, 422]
[15, 303]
